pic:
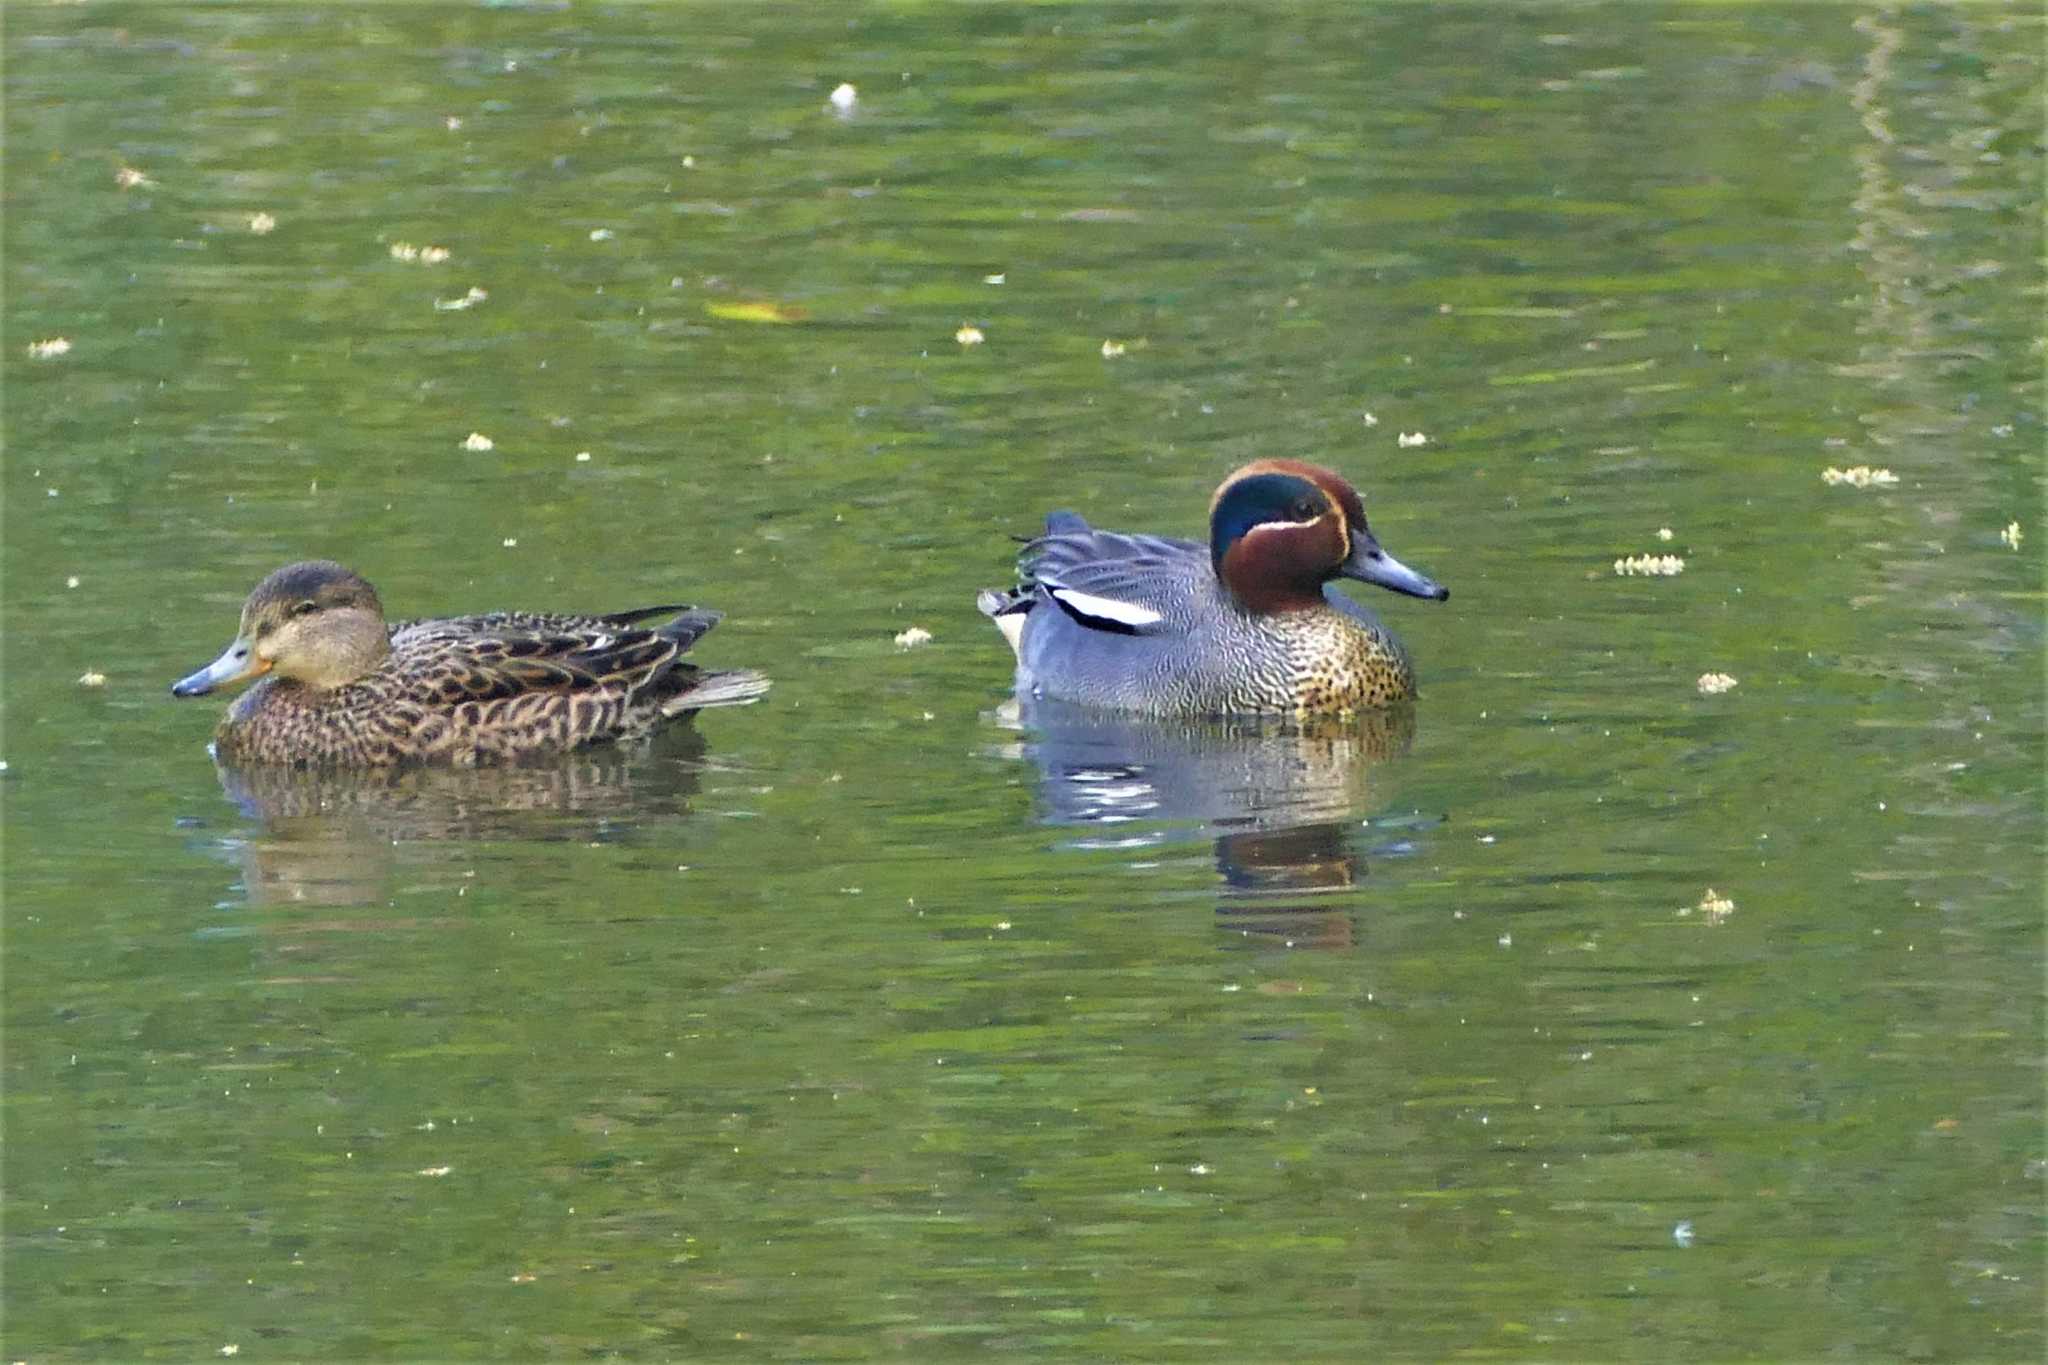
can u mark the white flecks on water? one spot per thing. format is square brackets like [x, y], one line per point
[471, 299]
[969, 335]
[476, 440]
[72, 581]
[1650, 566]
[1682, 1233]
[92, 677]
[1409, 440]
[2011, 535]
[419, 255]
[49, 348]
[602, 234]
[844, 98]
[128, 178]
[1664, 533]
[582, 457]
[1715, 906]
[996, 278]
[262, 224]
[1858, 476]
[1112, 349]
[1713, 683]
[912, 638]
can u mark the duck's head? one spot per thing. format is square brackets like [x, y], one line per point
[315, 623]
[1280, 529]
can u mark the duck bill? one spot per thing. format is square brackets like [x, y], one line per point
[1370, 564]
[237, 662]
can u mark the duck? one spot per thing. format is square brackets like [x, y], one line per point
[336, 686]
[1249, 624]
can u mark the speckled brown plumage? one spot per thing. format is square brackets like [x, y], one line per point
[344, 690]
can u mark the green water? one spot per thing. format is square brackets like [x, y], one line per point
[878, 1020]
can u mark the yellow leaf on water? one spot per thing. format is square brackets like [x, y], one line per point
[755, 311]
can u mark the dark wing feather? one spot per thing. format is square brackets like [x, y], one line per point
[1153, 576]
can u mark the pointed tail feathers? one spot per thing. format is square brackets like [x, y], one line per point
[734, 687]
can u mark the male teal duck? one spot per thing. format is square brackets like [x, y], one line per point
[339, 687]
[1248, 624]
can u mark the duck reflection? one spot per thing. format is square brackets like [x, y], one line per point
[1282, 801]
[334, 836]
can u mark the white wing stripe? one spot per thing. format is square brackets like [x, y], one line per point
[1107, 608]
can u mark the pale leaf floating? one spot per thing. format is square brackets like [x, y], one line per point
[92, 677]
[1858, 476]
[1650, 566]
[1711, 684]
[262, 224]
[969, 335]
[1111, 350]
[755, 310]
[471, 299]
[476, 440]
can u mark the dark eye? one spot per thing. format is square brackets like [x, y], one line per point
[1305, 510]
[302, 608]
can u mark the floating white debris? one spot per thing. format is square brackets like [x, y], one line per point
[71, 582]
[1664, 533]
[1370, 419]
[92, 677]
[1652, 566]
[471, 299]
[49, 348]
[262, 224]
[476, 440]
[128, 178]
[231, 1349]
[969, 335]
[1712, 683]
[1407, 440]
[844, 98]
[995, 279]
[689, 163]
[602, 234]
[511, 542]
[582, 457]
[452, 123]
[1682, 1233]
[2011, 535]
[1858, 476]
[436, 1170]
[419, 255]
[1112, 349]
[1715, 906]
[912, 638]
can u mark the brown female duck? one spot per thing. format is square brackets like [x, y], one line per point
[336, 685]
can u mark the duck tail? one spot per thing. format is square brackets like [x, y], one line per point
[733, 687]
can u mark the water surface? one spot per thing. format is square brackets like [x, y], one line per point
[888, 1019]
